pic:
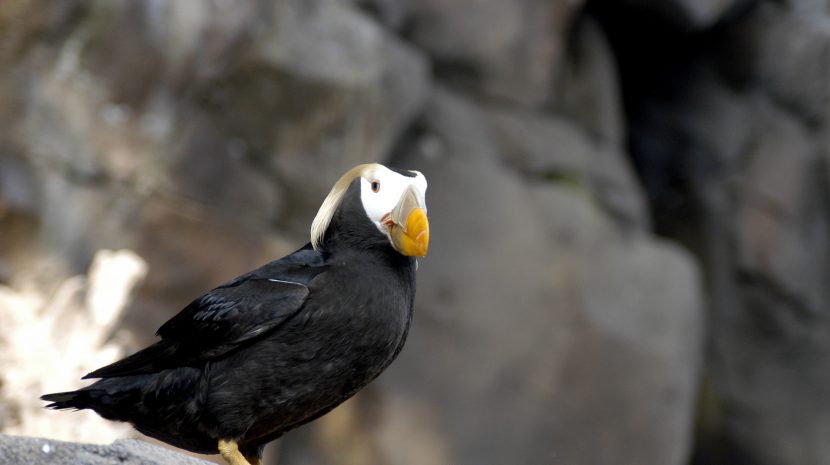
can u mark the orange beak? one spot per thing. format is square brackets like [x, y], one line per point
[410, 227]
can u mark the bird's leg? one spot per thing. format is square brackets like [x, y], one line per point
[230, 452]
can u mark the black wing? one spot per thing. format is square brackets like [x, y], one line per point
[227, 317]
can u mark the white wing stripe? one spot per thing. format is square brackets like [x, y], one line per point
[284, 282]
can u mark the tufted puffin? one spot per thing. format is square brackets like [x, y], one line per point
[279, 346]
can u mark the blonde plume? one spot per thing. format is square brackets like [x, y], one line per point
[332, 201]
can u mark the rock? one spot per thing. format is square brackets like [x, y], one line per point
[780, 229]
[275, 88]
[816, 7]
[786, 52]
[324, 88]
[18, 214]
[690, 14]
[589, 89]
[552, 148]
[392, 13]
[772, 344]
[17, 191]
[536, 305]
[163, 117]
[754, 179]
[22, 450]
[508, 50]
[551, 300]
[669, 164]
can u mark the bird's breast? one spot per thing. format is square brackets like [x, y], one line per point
[364, 316]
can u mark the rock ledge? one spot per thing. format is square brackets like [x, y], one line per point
[20, 450]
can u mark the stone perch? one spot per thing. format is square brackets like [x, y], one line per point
[20, 450]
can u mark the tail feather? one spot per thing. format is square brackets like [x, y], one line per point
[111, 398]
[77, 400]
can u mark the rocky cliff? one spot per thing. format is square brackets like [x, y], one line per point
[630, 203]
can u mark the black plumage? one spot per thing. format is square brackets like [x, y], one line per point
[272, 349]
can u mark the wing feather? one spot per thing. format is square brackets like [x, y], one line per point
[227, 317]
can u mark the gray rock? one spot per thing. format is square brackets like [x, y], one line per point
[690, 14]
[815, 7]
[772, 343]
[509, 50]
[21, 450]
[18, 217]
[17, 191]
[755, 178]
[392, 13]
[588, 88]
[786, 52]
[323, 89]
[549, 147]
[164, 117]
[780, 227]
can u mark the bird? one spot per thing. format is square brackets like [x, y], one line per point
[284, 344]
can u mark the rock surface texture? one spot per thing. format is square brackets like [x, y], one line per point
[630, 204]
[21, 450]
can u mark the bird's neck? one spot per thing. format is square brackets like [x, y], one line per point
[351, 247]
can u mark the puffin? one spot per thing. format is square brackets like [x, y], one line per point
[284, 344]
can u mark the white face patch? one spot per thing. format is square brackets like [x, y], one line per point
[382, 188]
[380, 191]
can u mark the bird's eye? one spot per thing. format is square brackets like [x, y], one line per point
[375, 186]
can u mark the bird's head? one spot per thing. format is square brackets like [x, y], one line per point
[392, 199]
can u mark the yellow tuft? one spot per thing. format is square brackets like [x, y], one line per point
[332, 201]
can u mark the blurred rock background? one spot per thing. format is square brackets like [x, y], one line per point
[630, 203]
